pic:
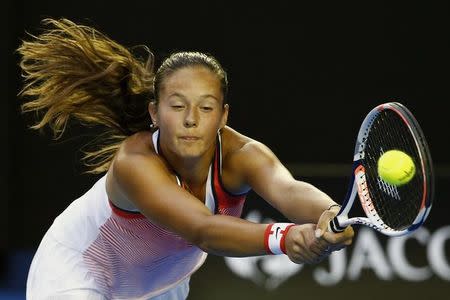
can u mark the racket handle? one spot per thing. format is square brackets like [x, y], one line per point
[334, 226]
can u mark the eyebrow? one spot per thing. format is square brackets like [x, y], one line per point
[183, 97]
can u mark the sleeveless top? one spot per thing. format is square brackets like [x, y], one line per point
[129, 256]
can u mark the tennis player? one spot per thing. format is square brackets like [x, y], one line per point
[176, 176]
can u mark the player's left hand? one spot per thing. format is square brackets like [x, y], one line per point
[336, 241]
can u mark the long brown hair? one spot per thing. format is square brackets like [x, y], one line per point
[75, 71]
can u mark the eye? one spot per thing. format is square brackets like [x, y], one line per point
[177, 106]
[206, 108]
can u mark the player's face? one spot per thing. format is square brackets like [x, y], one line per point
[190, 112]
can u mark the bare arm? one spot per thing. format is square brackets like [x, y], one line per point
[144, 180]
[299, 201]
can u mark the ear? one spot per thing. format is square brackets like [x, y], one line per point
[223, 122]
[153, 111]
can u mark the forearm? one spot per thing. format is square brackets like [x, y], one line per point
[230, 236]
[304, 203]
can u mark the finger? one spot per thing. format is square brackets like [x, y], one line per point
[322, 225]
[324, 220]
[333, 238]
[319, 247]
[344, 237]
[322, 257]
[316, 250]
[297, 258]
[322, 243]
[317, 255]
[305, 252]
[317, 258]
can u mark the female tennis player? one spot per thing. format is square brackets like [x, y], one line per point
[176, 175]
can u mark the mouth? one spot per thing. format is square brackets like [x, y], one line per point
[189, 138]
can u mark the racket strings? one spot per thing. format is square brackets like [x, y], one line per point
[396, 206]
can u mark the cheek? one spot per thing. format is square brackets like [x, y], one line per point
[212, 121]
[212, 126]
[167, 119]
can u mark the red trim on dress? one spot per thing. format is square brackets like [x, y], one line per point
[224, 198]
[125, 214]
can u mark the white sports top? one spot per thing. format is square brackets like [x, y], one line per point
[129, 256]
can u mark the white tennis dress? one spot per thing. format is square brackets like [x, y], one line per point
[95, 250]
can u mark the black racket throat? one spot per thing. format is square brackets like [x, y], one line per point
[335, 227]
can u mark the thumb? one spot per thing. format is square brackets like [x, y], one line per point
[322, 224]
[325, 219]
[318, 233]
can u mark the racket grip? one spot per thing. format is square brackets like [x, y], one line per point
[334, 226]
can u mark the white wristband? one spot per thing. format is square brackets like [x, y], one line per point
[275, 236]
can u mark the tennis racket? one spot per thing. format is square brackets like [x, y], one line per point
[393, 210]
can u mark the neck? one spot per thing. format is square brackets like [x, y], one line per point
[193, 171]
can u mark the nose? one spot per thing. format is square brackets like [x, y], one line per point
[191, 118]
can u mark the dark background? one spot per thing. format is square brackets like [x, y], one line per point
[302, 78]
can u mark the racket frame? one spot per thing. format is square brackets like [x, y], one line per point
[358, 188]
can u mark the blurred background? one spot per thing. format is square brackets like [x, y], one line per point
[302, 77]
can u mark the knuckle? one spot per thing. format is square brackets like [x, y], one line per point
[296, 248]
[334, 239]
[299, 240]
[296, 259]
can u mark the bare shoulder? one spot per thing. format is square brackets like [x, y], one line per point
[237, 146]
[138, 151]
[138, 143]
[232, 140]
[136, 163]
[241, 155]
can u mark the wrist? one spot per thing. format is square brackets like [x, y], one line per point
[275, 237]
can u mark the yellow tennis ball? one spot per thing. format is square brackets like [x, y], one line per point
[396, 167]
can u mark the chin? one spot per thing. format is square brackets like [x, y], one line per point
[191, 153]
[191, 149]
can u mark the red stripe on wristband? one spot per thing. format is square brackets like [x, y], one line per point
[266, 238]
[283, 238]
